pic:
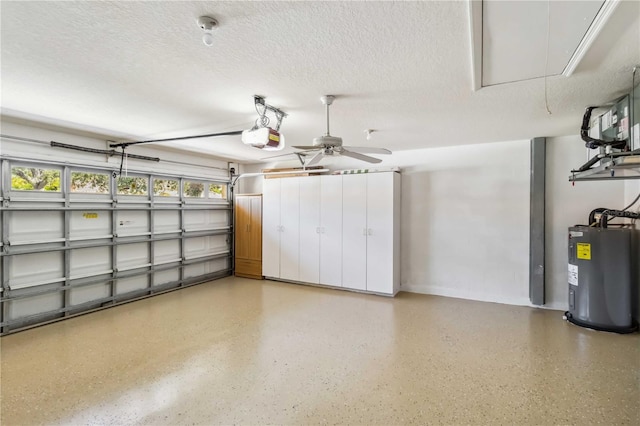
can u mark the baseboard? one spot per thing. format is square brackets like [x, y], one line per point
[465, 294]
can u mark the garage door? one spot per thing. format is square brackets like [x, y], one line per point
[75, 239]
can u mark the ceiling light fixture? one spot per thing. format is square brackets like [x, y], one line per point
[207, 24]
[368, 133]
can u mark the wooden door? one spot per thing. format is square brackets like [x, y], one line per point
[248, 236]
[255, 228]
[243, 218]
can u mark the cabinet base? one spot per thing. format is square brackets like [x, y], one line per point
[253, 277]
[353, 290]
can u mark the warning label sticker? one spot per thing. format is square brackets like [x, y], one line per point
[583, 251]
[573, 274]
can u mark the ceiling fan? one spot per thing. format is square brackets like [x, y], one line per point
[331, 145]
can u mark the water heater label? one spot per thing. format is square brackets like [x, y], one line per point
[583, 251]
[573, 274]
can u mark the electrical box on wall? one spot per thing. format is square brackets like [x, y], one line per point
[621, 121]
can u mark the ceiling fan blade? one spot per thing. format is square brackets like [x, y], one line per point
[307, 147]
[276, 156]
[367, 150]
[315, 159]
[359, 156]
[307, 152]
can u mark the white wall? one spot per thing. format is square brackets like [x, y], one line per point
[568, 205]
[465, 219]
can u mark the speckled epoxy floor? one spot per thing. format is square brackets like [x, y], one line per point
[251, 352]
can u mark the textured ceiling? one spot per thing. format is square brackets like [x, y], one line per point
[140, 70]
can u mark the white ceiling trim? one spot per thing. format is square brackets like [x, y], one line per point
[594, 29]
[475, 41]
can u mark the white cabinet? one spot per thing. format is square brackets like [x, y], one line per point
[338, 230]
[354, 232]
[309, 264]
[331, 230]
[281, 221]
[289, 228]
[371, 222]
[383, 232]
[271, 228]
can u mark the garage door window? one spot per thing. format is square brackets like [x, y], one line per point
[193, 189]
[35, 179]
[132, 185]
[89, 183]
[217, 190]
[166, 188]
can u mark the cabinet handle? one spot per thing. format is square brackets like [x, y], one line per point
[364, 231]
[369, 231]
[322, 230]
[317, 230]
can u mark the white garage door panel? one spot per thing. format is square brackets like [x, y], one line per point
[166, 221]
[89, 293]
[131, 256]
[191, 271]
[99, 237]
[126, 285]
[196, 220]
[20, 308]
[203, 246]
[204, 268]
[90, 261]
[164, 277]
[166, 252]
[23, 273]
[89, 224]
[131, 222]
[30, 226]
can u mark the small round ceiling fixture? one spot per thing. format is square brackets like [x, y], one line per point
[368, 133]
[207, 24]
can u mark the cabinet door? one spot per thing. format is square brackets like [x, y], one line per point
[243, 209]
[289, 228]
[354, 229]
[255, 228]
[331, 230]
[380, 242]
[271, 228]
[309, 230]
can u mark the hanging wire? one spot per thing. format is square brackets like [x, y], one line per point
[546, 59]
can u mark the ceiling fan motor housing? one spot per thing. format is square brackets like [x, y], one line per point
[327, 140]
